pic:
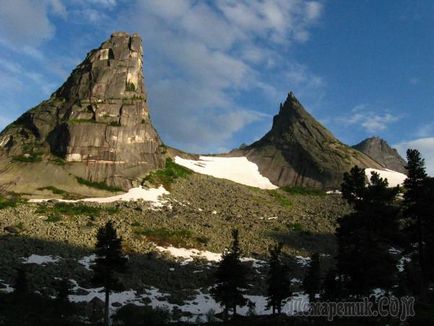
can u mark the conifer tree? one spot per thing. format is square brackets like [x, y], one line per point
[109, 262]
[312, 281]
[419, 210]
[279, 284]
[21, 284]
[231, 278]
[365, 236]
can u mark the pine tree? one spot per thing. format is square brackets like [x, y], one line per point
[419, 210]
[21, 284]
[231, 278]
[312, 281]
[109, 262]
[279, 284]
[365, 236]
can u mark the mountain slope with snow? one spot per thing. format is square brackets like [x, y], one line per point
[237, 169]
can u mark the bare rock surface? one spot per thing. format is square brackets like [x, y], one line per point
[96, 124]
[299, 151]
[380, 150]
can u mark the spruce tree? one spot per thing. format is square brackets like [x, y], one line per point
[109, 262]
[365, 236]
[312, 281]
[279, 284]
[231, 278]
[419, 211]
[21, 284]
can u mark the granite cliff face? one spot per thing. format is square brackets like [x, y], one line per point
[96, 124]
[380, 150]
[299, 151]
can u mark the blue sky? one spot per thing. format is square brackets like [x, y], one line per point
[216, 71]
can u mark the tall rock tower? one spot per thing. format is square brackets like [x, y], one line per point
[97, 123]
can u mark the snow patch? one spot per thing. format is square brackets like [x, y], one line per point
[189, 255]
[152, 195]
[394, 178]
[237, 169]
[303, 261]
[40, 260]
[87, 261]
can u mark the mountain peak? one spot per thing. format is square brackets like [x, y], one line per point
[97, 121]
[298, 150]
[378, 149]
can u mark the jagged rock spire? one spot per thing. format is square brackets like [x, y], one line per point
[298, 150]
[99, 118]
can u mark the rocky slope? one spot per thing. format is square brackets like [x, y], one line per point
[299, 151]
[95, 126]
[380, 151]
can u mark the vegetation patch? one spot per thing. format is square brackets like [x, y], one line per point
[164, 236]
[13, 201]
[297, 190]
[115, 124]
[53, 218]
[130, 87]
[98, 185]
[280, 198]
[168, 175]
[69, 209]
[295, 227]
[27, 158]
[80, 121]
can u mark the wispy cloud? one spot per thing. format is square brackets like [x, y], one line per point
[370, 119]
[198, 73]
[27, 23]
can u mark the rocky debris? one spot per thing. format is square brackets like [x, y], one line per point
[299, 151]
[97, 124]
[380, 151]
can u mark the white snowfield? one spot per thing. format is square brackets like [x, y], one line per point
[152, 195]
[187, 256]
[199, 306]
[394, 178]
[237, 169]
[40, 260]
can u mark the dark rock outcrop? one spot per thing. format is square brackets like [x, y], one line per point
[299, 151]
[380, 150]
[97, 123]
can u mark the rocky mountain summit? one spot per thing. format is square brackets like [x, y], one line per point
[299, 151]
[380, 151]
[96, 126]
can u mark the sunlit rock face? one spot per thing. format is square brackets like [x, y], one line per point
[98, 119]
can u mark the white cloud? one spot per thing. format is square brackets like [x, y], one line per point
[425, 130]
[26, 22]
[426, 148]
[200, 56]
[369, 119]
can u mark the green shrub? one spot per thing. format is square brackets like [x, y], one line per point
[13, 201]
[69, 209]
[280, 198]
[98, 185]
[27, 159]
[53, 218]
[54, 190]
[295, 227]
[297, 190]
[168, 175]
[164, 236]
[130, 87]
[80, 121]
